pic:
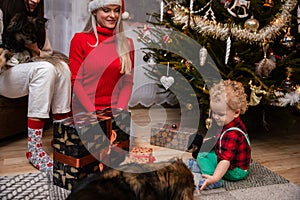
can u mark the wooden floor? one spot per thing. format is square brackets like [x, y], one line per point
[279, 150]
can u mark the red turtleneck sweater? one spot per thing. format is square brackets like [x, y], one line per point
[96, 78]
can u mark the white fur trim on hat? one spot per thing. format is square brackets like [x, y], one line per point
[95, 4]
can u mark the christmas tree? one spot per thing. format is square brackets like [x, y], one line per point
[197, 42]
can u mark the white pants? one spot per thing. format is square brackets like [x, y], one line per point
[47, 87]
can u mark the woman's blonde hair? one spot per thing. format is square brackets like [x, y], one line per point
[232, 92]
[122, 43]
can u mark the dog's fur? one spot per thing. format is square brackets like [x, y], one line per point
[23, 30]
[166, 180]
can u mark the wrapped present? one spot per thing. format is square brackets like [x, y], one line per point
[77, 143]
[69, 171]
[140, 155]
[120, 124]
[170, 136]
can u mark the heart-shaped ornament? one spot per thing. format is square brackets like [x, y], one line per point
[167, 81]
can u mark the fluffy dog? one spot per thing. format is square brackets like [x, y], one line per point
[23, 30]
[166, 180]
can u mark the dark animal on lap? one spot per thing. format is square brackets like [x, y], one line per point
[170, 180]
[22, 30]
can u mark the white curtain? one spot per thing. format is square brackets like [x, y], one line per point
[66, 17]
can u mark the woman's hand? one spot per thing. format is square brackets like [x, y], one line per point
[33, 48]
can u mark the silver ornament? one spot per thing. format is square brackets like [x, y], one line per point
[151, 62]
[202, 55]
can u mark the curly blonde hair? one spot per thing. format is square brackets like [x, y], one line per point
[232, 92]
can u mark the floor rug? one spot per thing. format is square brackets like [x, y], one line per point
[259, 176]
[32, 186]
[39, 186]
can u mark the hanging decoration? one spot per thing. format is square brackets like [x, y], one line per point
[239, 8]
[202, 56]
[251, 24]
[151, 61]
[289, 93]
[161, 11]
[272, 55]
[188, 64]
[236, 58]
[285, 99]
[287, 84]
[208, 121]
[288, 40]
[269, 3]
[210, 14]
[255, 91]
[189, 106]
[228, 46]
[226, 3]
[221, 31]
[191, 7]
[265, 66]
[146, 33]
[167, 81]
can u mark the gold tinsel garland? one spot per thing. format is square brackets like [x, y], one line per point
[221, 31]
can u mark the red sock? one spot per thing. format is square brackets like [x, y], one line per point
[35, 124]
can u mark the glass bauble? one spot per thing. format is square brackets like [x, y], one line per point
[269, 3]
[288, 85]
[151, 62]
[251, 24]
[189, 106]
[146, 57]
[287, 41]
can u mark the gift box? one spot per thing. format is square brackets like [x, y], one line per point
[77, 143]
[69, 175]
[171, 136]
[120, 124]
[140, 155]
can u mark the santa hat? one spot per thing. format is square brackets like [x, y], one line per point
[95, 4]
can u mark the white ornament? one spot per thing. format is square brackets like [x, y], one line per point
[242, 5]
[228, 45]
[191, 6]
[161, 10]
[202, 55]
[151, 62]
[167, 81]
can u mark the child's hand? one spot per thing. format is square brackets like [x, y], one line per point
[209, 180]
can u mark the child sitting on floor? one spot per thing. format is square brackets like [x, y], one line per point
[231, 156]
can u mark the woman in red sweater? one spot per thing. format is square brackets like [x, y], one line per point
[101, 60]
